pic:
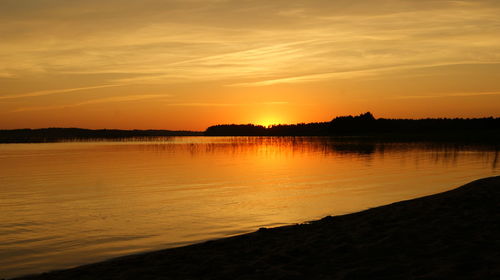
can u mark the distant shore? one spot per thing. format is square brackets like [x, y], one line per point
[48, 135]
[54, 135]
[362, 127]
[451, 235]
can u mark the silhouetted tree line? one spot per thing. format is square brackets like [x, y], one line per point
[364, 125]
[59, 134]
[367, 125]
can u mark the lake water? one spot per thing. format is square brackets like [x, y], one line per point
[66, 204]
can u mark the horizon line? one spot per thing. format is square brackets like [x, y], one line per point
[250, 123]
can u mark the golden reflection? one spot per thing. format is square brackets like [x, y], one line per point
[106, 199]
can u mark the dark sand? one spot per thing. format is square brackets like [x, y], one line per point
[451, 235]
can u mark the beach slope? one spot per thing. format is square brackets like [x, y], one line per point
[451, 235]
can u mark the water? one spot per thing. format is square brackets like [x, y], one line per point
[67, 204]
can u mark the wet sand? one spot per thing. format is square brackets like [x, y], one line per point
[451, 235]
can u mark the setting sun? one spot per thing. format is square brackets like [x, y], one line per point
[128, 127]
[269, 121]
[186, 65]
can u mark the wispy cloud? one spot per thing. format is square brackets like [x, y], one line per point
[55, 91]
[275, 103]
[6, 75]
[306, 78]
[380, 70]
[202, 104]
[93, 101]
[259, 40]
[444, 95]
[195, 48]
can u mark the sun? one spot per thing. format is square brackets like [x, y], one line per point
[268, 121]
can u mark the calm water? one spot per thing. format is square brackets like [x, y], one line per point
[66, 204]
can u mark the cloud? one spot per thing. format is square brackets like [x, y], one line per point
[275, 103]
[54, 91]
[370, 72]
[201, 104]
[306, 78]
[243, 40]
[444, 95]
[239, 43]
[6, 75]
[93, 101]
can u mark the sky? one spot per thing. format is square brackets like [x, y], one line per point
[189, 64]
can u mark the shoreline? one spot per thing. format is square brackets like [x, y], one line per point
[490, 138]
[453, 235]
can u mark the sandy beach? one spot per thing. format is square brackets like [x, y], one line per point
[451, 235]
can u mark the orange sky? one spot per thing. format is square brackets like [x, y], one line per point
[193, 63]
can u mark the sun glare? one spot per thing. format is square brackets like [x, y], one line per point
[269, 122]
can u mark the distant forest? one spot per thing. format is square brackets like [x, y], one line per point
[61, 134]
[366, 125]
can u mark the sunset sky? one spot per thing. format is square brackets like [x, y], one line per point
[188, 64]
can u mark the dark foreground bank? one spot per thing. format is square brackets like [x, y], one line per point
[451, 235]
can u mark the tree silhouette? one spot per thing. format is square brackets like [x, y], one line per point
[366, 125]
